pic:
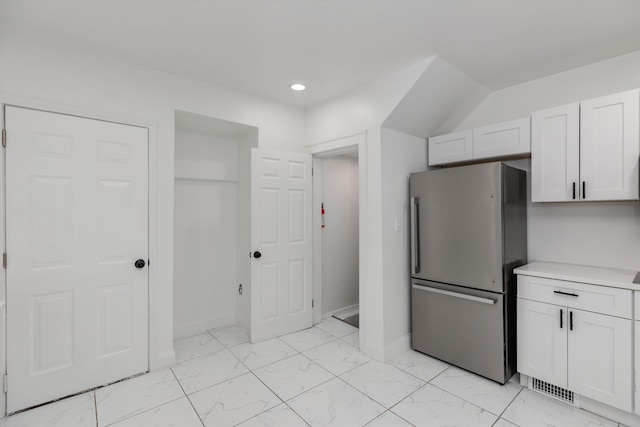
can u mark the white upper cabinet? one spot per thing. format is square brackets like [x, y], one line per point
[451, 148]
[609, 147]
[500, 140]
[555, 154]
[587, 151]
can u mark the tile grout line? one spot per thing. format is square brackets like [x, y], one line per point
[95, 406]
[510, 403]
[187, 396]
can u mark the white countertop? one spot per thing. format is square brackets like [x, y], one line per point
[612, 277]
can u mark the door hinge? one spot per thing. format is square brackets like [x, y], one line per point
[5, 387]
[4, 137]
[4, 260]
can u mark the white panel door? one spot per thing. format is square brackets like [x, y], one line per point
[77, 220]
[555, 154]
[281, 271]
[610, 146]
[542, 341]
[600, 358]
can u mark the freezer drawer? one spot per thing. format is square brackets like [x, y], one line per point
[461, 326]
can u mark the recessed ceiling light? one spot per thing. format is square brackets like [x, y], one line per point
[298, 86]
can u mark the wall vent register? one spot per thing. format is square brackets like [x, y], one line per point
[548, 389]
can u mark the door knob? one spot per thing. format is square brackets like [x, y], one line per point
[139, 263]
[257, 254]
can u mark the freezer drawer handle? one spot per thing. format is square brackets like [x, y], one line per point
[454, 294]
[415, 243]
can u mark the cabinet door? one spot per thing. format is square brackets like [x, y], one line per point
[600, 365]
[542, 341]
[502, 139]
[609, 147]
[451, 148]
[555, 154]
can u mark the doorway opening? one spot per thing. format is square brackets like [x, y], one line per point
[212, 224]
[338, 182]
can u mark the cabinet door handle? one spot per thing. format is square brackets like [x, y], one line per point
[566, 293]
[571, 320]
[561, 316]
[584, 190]
[574, 190]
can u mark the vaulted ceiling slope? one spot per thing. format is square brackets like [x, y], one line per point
[261, 47]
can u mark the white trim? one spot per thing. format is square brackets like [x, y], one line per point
[202, 326]
[345, 311]
[167, 358]
[330, 148]
[334, 147]
[317, 239]
[397, 347]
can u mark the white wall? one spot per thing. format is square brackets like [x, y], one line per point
[601, 78]
[401, 155]
[358, 115]
[204, 276]
[439, 100]
[361, 109]
[340, 260]
[594, 233]
[49, 75]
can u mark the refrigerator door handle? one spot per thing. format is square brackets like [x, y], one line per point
[454, 294]
[415, 241]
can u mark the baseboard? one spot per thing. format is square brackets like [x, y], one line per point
[164, 360]
[347, 311]
[200, 327]
[397, 347]
[615, 414]
[243, 323]
[374, 352]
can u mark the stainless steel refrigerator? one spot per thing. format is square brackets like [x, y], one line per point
[468, 233]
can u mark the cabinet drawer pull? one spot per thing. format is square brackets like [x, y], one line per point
[584, 190]
[574, 190]
[566, 293]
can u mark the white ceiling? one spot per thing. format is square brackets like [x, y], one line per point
[261, 47]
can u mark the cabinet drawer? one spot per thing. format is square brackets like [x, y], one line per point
[582, 296]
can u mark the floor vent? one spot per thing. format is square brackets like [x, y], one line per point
[562, 394]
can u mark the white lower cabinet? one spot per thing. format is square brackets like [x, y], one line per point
[542, 341]
[599, 358]
[636, 297]
[582, 351]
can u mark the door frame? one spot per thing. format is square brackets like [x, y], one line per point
[331, 148]
[156, 299]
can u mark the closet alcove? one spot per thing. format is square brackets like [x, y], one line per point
[212, 228]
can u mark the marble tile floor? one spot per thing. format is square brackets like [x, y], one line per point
[315, 377]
